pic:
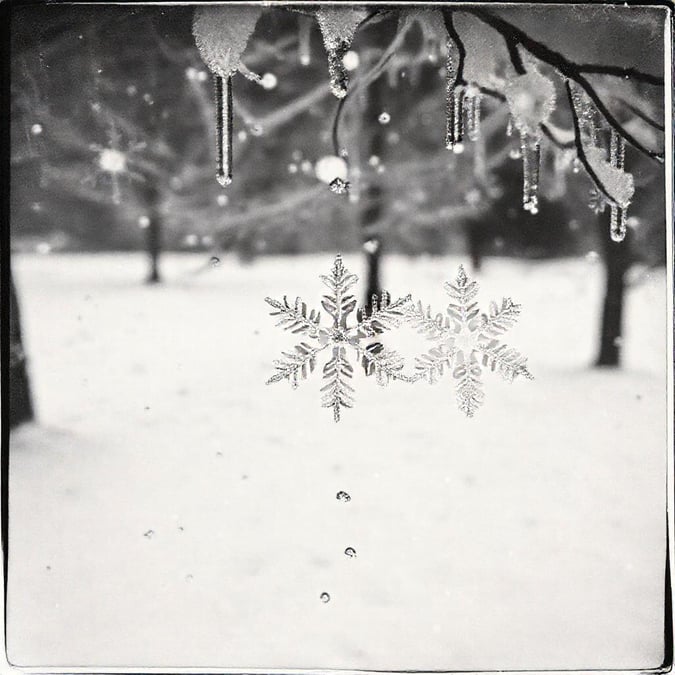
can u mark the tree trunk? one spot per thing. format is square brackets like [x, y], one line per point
[153, 232]
[616, 256]
[20, 400]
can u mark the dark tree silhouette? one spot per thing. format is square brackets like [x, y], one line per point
[20, 399]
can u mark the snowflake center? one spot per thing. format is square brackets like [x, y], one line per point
[338, 335]
[466, 339]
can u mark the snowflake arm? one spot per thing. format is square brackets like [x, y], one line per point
[469, 388]
[499, 319]
[383, 315]
[424, 322]
[432, 365]
[296, 364]
[385, 364]
[295, 317]
[508, 361]
[338, 303]
[462, 292]
[337, 393]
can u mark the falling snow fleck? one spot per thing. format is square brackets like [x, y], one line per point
[222, 200]
[350, 552]
[214, 261]
[36, 129]
[384, 118]
[144, 222]
[324, 597]
[339, 186]
[149, 534]
[342, 496]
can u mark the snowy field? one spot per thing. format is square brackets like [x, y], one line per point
[171, 510]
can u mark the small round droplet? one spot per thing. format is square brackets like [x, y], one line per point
[384, 118]
[324, 597]
[342, 496]
[242, 135]
[350, 552]
[36, 129]
[215, 261]
[149, 534]
[351, 60]
[292, 168]
[373, 160]
[371, 246]
[268, 81]
[458, 148]
[144, 222]
[222, 200]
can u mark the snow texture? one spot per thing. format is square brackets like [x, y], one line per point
[531, 536]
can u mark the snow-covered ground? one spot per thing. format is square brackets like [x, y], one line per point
[171, 510]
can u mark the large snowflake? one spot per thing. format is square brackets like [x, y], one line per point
[339, 339]
[466, 339]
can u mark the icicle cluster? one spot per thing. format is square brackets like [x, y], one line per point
[531, 100]
[221, 34]
[338, 25]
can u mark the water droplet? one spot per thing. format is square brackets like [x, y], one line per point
[268, 81]
[351, 60]
[514, 153]
[576, 165]
[384, 118]
[143, 222]
[342, 496]
[202, 76]
[222, 200]
[324, 597]
[373, 160]
[292, 168]
[350, 552]
[458, 148]
[223, 180]
[215, 261]
[149, 534]
[36, 129]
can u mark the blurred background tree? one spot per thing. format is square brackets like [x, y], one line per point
[113, 135]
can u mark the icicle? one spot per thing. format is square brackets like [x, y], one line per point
[221, 34]
[304, 40]
[531, 152]
[338, 25]
[617, 220]
[450, 103]
[224, 129]
[509, 125]
[472, 103]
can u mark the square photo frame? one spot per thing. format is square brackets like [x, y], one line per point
[442, 233]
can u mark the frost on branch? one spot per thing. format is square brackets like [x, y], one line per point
[221, 34]
[339, 338]
[465, 340]
[338, 25]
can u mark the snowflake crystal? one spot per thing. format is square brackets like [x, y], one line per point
[385, 364]
[466, 339]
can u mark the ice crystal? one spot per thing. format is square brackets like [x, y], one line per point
[339, 339]
[339, 186]
[466, 340]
